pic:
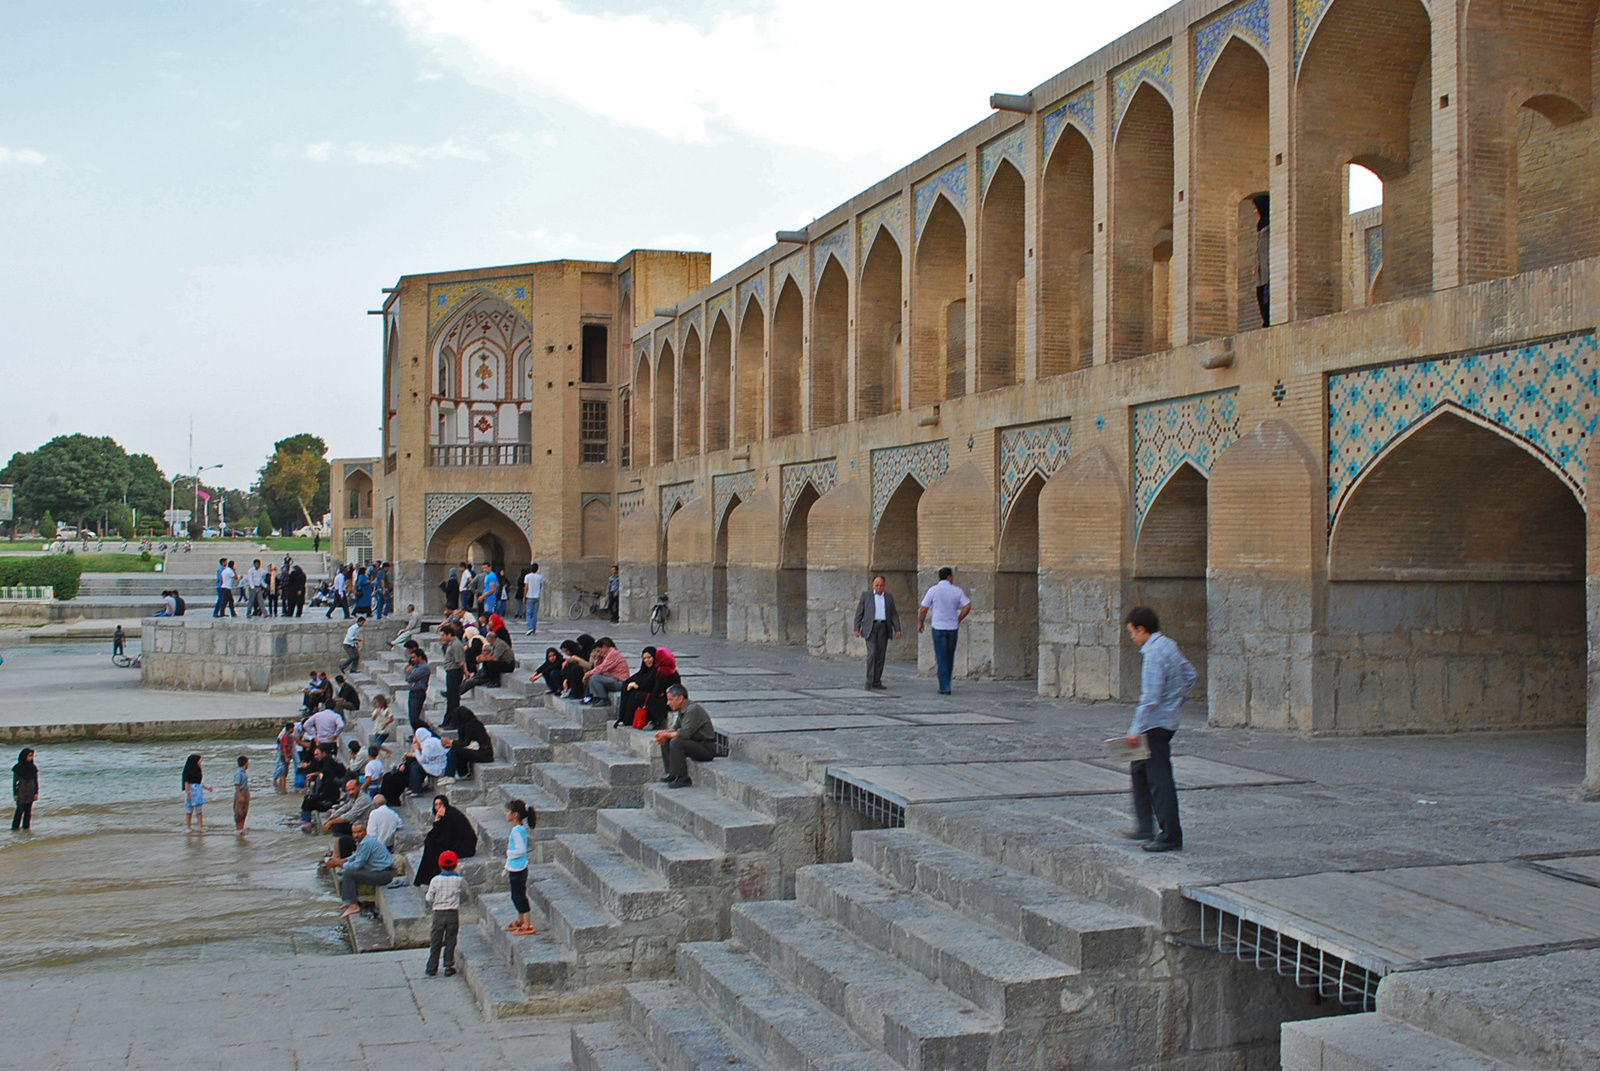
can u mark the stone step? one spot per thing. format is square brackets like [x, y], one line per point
[537, 960]
[612, 880]
[715, 819]
[663, 848]
[1374, 1042]
[613, 1047]
[997, 972]
[493, 829]
[490, 980]
[551, 816]
[574, 787]
[551, 727]
[1074, 929]
[572, 917]
[367, 934]
[483, 873]
[918, 1024]
[518, 750]
[612, 764]
[406, 916]
[679, 1031]
[761, 790]
[773, 1017]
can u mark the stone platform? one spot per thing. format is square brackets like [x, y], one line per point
[215, 654]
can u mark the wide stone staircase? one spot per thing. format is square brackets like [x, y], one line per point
[914, 956]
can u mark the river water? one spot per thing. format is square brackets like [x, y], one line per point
[108, 870]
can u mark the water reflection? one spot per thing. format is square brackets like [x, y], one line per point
[109, 871]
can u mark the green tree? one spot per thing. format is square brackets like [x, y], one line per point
[125, 525]
[148, 489]
[263, 526]
[47, 526]
[74, 474]
[294, 481]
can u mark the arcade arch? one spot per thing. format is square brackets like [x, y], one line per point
[878, 329]
[894, 554]
[792, 568]
[475, 533]
[642, 411]
[939, 307]
[1141, 227]
[749, 362]
[1170, 563]
[1066, 270]
[1002, 262]
[689, 397]
[1016, 615]
[719, 379]
[830, 347]
[788, 350]
[666, 396]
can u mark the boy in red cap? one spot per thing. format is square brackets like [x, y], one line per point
[444, 893]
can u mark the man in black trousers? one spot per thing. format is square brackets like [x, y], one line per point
[876, 617]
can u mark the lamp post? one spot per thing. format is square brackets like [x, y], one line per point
[172, 497]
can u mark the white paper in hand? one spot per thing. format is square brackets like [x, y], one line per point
[1117, 749]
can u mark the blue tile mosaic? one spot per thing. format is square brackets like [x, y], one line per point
[674, 495]
[724, 486]
[835, 243]
[793, 480]
[628, 502]
[1155, 68]
[756, 287]
[1248, 20]
[1307, 13]
[721, 305]
[793, 267]
[890, 215]
[1374, 252]
[1077, 109]
[1545, 395]
[952, 182]
[446, 298]
[1038, 449]
[1011, 146]
[439, 507]
[1169, 434]
[923, 462]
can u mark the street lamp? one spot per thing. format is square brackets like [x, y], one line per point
[172, 498]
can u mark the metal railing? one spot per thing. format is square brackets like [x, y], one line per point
[464, 455]
[1333, 977]
[882, 812]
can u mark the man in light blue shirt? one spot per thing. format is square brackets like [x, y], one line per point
[370, 864]
[949, 607]
[1164, 687]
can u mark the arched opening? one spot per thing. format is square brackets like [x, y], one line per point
[830, 347]
[595, 530]
[1141, 227]
[475, 533]
[1363, 96]
[358, 497]
[719, 377]
[1066, 270]
[719, 571]
[1231, 171]
[750, 359]
[689, 397]
[1170, 564]
[1016, 595]
[1530, 70]
[666, 396]
[481, 359]
[1002, 258]
[894, 554]
[792, 569]
[642, 411]
[939, 308]
[878, 330]
[1456, 594]
[788, 349]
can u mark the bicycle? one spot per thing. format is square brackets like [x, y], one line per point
[123, 661]
[592, 602]
[659, 614]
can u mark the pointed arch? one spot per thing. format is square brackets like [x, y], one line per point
[788, 351]
[749, 373]
[643, 411]
[1002, 264]
[1141, 227]
[830, 346]
[666, 424]
[1067, 264]
[719, 381]
[689, 395]
[483, 332]
[878, 328]
[939, 307]
[1016, 624]
[1171, 540]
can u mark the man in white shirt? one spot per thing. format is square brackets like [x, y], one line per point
[225, 578]
[413, 626]
[532, 588]
[876, 617]
[255, 586]
[352, 645]
[949, 606]
[383, 822]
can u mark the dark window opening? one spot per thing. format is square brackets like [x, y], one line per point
[625, 448]
[592, 433]
[594, 353]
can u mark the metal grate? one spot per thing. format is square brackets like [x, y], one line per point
[1311, 967]
[722, 744]
[861, 798]
[593, 432]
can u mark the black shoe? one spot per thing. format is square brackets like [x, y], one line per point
[449, 972]
[1134, 834]
[668, 780]
[878, 686]
[1163, 846]
[680, 782]
[431, 974]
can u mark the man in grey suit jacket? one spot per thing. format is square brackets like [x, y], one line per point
[876, 617]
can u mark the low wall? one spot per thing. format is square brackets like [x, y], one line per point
[246, 655]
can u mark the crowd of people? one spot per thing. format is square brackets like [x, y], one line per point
[280, 590]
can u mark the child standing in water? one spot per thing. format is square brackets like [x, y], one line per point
[194, 793]
[241, 795]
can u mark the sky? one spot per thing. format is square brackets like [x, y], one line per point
[200, 199]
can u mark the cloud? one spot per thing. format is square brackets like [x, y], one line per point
[24, 157]
[396, 155]
[844, 77]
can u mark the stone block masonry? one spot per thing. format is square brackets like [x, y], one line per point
[208, 654]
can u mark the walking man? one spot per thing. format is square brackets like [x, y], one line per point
[532, 590]
[352, 645]
[949, 607]
[224, 589]
[491, 589]
[1164, 687]
[876, 618]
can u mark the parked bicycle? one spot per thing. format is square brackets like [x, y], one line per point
[659, 614]
[594, 602]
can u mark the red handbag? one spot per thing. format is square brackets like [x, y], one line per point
[640, 718]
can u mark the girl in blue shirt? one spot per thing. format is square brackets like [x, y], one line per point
[194, 794]
[521, 819]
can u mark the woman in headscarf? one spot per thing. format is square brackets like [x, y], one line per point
[452, 832]
[194, 793]
[24, 789]
[636, 689]
[426, 759]
[472, 744]
[550, 670]
[497, 627]
[666, 677]
[574, 664]
[585, 644]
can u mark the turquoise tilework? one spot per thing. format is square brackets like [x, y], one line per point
[674, 495]
[793, 479]
[1036, 449]
[889, 215]
[722, 305]
[1545, 395]
[724, 485]
[952, 182]
[755, 286]
[835, 243]
[1248, 20]
[628, 502]
[1079, 109]
[446, 298]
[1012, 146]
[924, 462]
[1191, 430]
[1155, 68]
[439, 507]
[792, 266]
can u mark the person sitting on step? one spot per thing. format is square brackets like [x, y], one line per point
[690, 735]
[607, 670]
[472, 744]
